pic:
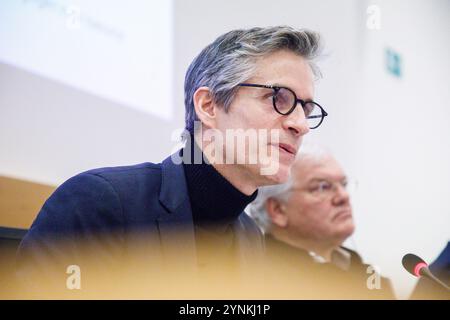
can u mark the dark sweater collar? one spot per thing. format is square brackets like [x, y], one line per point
[214, 200]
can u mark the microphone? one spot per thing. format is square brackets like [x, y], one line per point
[417, 267]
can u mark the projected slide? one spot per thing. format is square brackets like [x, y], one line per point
[118, 50]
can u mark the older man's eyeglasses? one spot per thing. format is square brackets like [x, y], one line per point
[285, 100]
[324, 189]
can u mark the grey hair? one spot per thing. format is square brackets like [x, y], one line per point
[280, 192]
[231, 59]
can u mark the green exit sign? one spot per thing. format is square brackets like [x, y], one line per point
[393, 63]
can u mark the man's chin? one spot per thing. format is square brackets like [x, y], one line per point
[347, 229]
[281, 175]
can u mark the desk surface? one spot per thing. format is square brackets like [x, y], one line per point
[20, 201]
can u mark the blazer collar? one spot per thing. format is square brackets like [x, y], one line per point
[176, 227]
[174, 190]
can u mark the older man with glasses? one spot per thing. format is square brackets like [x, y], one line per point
[306, 221]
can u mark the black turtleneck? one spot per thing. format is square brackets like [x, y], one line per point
[214, 200]
[216, 204]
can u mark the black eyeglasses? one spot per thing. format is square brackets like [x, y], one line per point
[285, 100]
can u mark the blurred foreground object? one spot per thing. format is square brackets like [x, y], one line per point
[425, 288]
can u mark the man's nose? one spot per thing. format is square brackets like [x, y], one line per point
[341, 195]
[296, 122]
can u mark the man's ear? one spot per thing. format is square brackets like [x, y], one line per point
[277, 212]
[205, 108]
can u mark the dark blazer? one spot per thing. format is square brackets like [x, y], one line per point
[303, 278]
[124, 203]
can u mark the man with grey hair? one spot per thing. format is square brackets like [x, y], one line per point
[306, 220]
[257, 83]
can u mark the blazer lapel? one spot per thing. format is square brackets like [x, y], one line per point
[176, 226]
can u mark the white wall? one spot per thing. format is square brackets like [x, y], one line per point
[402, 138]
[390, 134]
[49, 132]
